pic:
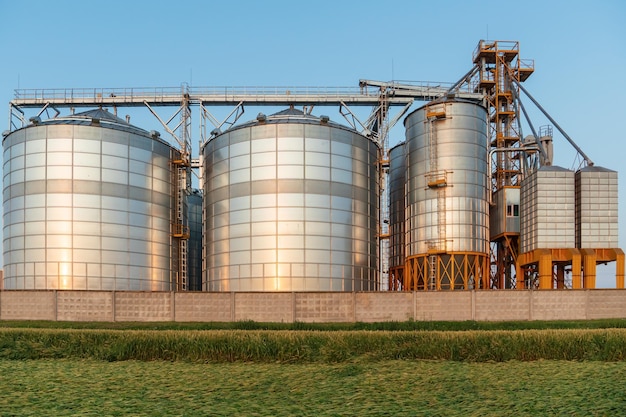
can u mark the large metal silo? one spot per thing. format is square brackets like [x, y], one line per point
[87, 205]
[291, 204]
[397, 194]
[447, 211]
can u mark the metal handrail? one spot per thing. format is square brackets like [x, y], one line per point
[75, 95]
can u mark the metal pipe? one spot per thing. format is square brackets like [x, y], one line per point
[532, 128]
[570, 140]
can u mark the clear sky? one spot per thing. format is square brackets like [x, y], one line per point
[579, 48]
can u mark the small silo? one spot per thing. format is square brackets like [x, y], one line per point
[291, 204]
[596, 208]
[397, 194]
[447, 209]
[87, 205]
[547, 209]
[547, 230]
[596, 224]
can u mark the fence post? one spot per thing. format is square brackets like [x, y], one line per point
[56, 305]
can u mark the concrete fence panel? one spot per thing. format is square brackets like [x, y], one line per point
[203, 307]
[28, 305]
[559, 305]
[606, 304]
[501, 305]
[374, 307]
[144, 306]
[85, 306]
[324, 307]
[264, 307]
[443, 305]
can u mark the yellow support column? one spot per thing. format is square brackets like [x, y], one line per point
[589, 268]
[619, 268]
[576, 269]
[519, 276]
[485, 273]
[545, 269]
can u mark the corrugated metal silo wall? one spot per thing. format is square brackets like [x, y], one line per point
[86, 207]
[291, 205]
[447, 202]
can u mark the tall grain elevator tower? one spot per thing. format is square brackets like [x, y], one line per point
[498, 63]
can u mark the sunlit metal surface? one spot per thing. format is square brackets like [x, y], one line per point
[291, 204]
[447, 205]
[87, 205]
[447, 210]
[397, 194]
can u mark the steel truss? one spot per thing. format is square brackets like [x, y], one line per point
[446, 271]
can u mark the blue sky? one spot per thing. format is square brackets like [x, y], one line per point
[579, 48]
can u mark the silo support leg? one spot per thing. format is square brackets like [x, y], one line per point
[545, 270]
[560, 277]
[576, 268]
[589, 268]
[619, 268]
[485, 273]
[519, 276]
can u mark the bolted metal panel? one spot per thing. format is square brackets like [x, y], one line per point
[291, 204]
[547, 213]
[596, 208]
[87, 206]
[447, 205]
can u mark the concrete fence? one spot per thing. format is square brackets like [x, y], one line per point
[312, 306]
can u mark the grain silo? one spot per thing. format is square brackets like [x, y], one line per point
[291, 204]
[547, 209]
[597, 223]
[397, 194]
[547, 229]
[596, 208]
[447, 211]
[87, 205]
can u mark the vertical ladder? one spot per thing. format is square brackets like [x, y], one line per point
[432, 276]
[437, 180]
[183, 265]
[183, 185]
[180, 219]
[441, 217]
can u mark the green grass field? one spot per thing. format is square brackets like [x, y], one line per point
[385, 388]
[255, 369]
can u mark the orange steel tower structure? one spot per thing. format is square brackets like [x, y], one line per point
[499, 72]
